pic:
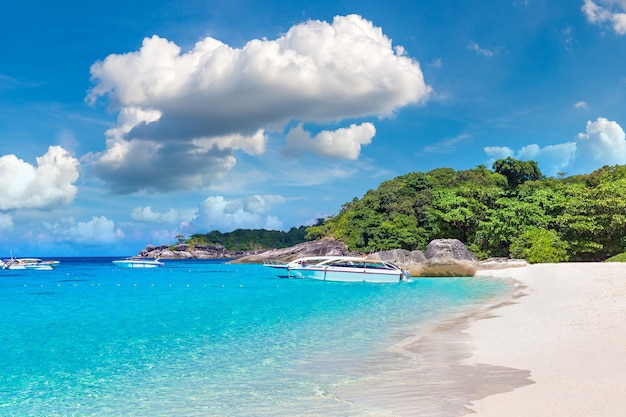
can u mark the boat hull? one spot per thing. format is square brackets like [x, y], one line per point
[346, 275]
[138, 265]
[280, 270]
[30, 264]
[38, 267]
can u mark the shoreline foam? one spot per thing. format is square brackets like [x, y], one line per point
[568, 331]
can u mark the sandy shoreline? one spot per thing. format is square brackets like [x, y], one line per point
[567, 329]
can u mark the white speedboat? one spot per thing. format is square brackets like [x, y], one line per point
[281, 269]
[341, 269]
[33, 264]
[138, 262]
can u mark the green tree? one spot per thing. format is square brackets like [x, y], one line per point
[539, 246]
[450, 215]
[400, 232]
[517, 172]
[595, 218]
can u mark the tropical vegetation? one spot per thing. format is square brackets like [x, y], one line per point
[251, 239]
[511, 210]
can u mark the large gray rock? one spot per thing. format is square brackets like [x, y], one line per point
[448, 258]
[443, 258]
[411, 261]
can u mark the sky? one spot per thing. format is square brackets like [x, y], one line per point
[129, 123]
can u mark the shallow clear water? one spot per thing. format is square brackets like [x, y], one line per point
[203, 338]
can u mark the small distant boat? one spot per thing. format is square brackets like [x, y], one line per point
[340, 269]
[139, 262]
[33, 264]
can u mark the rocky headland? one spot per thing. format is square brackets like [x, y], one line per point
[185, 251]
[443, 257]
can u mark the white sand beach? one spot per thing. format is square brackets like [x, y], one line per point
[568, 329]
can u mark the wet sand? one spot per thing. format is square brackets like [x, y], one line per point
[425, 372]
[567, 329]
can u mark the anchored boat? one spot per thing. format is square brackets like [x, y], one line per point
[341, 269]
[34, 264]
[138, 262]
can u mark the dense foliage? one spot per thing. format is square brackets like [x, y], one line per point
[621, 257]
[512, 210]
[251, 239]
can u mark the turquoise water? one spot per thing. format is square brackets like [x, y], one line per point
[203, 338]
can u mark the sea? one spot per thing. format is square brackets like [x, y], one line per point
[211, 338]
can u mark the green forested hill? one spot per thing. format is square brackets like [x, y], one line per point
[512, 210]
[251, 239]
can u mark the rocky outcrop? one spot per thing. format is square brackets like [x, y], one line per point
[443, 257]
[320, 247]
[184, 251]
[199, 251]
[449, 258]
[501, 263]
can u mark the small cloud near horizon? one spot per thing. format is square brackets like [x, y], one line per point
[602, 143]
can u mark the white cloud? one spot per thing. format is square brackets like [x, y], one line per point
[46, 186]
[603, 143]
[252, 144]
[580, 105]
[96, 231]
[217, 213]
[207, 103]
[147, 215]
[606, 12]
[344, 143]
[485, 52]
[151, 165]
[498, 152]
[552, 159]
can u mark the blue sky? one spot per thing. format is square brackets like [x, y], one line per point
[127, 123]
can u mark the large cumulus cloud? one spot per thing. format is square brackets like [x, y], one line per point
[46, 186]
[191, 111]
